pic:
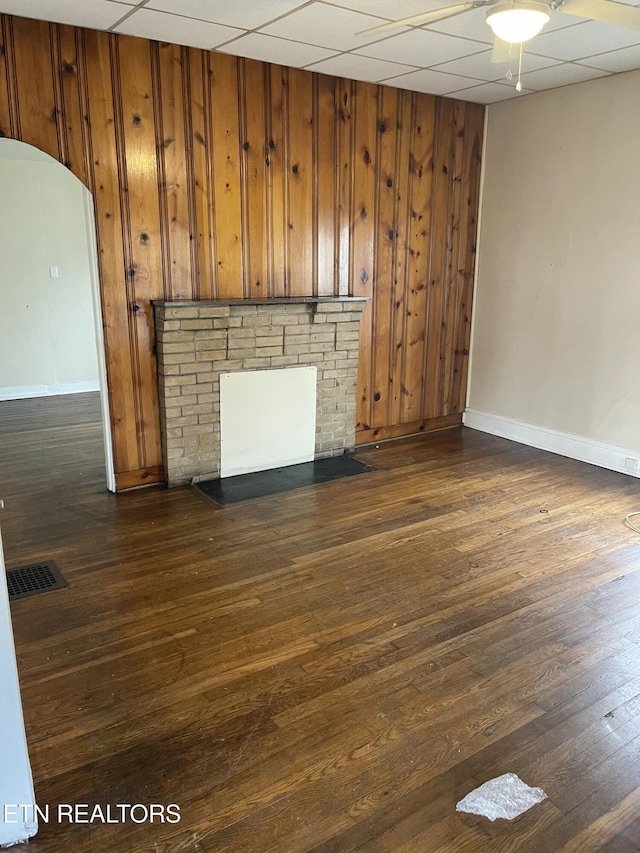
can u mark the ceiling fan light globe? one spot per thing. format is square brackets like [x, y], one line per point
[517, 22]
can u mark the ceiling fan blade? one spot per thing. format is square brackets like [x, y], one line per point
[434, 15]
[502, 50]
[605, 11]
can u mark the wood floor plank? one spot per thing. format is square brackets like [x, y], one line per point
[333, 668]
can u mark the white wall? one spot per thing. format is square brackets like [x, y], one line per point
[16, 786]
[47, 337]
[556, 341]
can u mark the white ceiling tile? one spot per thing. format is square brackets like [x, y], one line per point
[470, 25]
[421, 48]
[276, 50]
[240, 13]
[433, 82]
[97, 14]
[583, 40]
[325, 26]
[480, 65]
[626, 59]
[171, 28]
[488, 93]
[559, 21]
[395, 10]
[360, 67]
[559, 75]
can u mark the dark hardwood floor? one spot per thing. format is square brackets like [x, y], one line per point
[330, 669]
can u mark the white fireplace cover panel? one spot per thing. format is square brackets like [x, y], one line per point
[267, 419]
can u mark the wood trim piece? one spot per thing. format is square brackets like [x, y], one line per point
[138, 479]
[9, 114]
[366, 436]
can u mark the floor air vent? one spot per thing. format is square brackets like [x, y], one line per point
[32, 579]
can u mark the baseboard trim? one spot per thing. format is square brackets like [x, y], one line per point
[385, 433]
[127, 480]
[25, 392]
[563, 443]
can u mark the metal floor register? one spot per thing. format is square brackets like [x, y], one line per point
[34, 578]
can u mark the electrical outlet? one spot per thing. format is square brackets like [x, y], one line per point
[631, 464]
[53, 272]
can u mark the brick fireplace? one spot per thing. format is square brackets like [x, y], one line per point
[197, 341]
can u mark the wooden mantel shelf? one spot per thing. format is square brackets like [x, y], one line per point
[270, 300]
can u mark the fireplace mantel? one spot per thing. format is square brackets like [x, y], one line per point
[263, 300]
[197, 341]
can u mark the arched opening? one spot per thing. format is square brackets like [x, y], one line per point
[51, 336]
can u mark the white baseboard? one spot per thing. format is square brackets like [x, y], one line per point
[562, 443]
[23, 392]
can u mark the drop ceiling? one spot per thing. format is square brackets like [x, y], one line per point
[450, 57]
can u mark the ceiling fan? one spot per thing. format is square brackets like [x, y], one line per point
[512, 12]
[517, 21]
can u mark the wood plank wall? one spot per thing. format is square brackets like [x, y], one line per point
[215, 176]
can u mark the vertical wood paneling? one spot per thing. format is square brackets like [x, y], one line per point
[440, 250]
[227, 188]
[7, 126]
[470, 205]
[204, 283]
[214, 176]
[300, 182]
[176, 185]
[418, 295]
[277, 229]
[386, 244]
[105, 182]
[143, 255]
[345, 142]
[72, 114]
[397, 342]
[58, 96]
[363, 235]
[254, 154]
[34, 84]
[326, 166]
[452, 296]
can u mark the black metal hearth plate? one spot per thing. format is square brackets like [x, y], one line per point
[246, 486]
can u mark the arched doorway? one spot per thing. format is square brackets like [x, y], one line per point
[51, 336]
